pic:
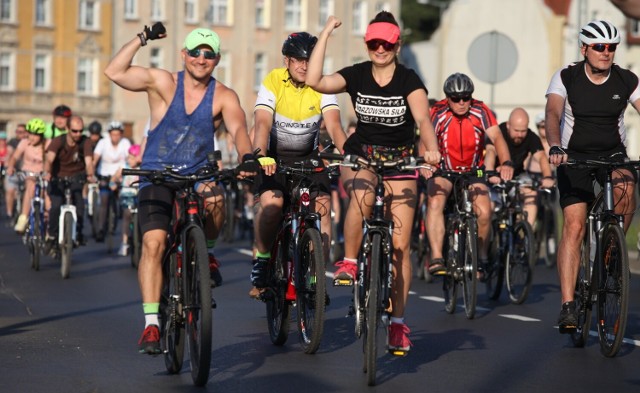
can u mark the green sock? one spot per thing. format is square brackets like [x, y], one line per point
[151, 308]
[265, 255]
[211, 243]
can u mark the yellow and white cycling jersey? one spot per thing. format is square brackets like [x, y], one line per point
[297, 113]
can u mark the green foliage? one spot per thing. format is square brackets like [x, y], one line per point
[420, 20]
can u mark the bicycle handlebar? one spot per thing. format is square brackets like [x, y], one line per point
[357, 162]
[160, 176]
[591, 163]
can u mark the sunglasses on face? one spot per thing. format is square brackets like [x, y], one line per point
[208, 54]
[76, 131]
[458, 98]
[375, 44]
[602, 47]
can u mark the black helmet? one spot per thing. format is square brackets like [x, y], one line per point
[299, 45]
[458, 84]
[95, 127]
[62, 110]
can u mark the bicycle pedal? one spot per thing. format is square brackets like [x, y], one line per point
[398, 352]
[342, 282]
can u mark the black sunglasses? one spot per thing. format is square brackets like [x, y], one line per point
[208, 54]
[76, 131]
[458, 98]
[375, 44]
[602, 47]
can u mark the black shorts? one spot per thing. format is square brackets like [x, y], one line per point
[278, 181]
[155, 207]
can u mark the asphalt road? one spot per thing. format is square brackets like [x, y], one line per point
[80, 335]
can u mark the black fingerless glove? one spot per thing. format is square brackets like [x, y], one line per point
[556, 150]
[249, 164]
[154, 32]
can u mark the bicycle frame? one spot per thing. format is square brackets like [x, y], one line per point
[91, 202]
[68, 206]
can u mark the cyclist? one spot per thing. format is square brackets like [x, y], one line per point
[31, 152]
[61, 115]
[287, 119]
[461, 124]
[95, 133]
[525, 147]
[585, 109]
[67, 156]
[127, 194]
[11, 182]
[111, 153]
[390, 100]
[181, 134]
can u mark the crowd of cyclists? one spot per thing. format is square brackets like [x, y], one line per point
[296, 114]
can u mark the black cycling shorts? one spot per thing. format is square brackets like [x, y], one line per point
[155, 207]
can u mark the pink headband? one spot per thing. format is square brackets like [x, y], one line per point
[382, 31]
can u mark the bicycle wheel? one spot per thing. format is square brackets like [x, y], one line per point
[95, 213]
[230, 215]
[197, 296]
[111, 224]
[494, 272]
[311, 290]
[449, 282]
[468, 257]
[550, 236]
[277, 306]
[582, 295]
[172, 314]
[67, 245]
[423, 249]
[135, 241]
[35, 239]
[520, 262]
[375, 333]
[613, 290]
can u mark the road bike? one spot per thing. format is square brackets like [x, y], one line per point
[296, 269]
[372, 289]
[67, 222]
[35, 233]
[512, 247]
[186, 303]
[603, 275]
[460, 246]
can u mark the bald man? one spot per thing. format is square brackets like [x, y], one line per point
[524, 145]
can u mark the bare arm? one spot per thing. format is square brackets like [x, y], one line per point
[125, 75]
[327, 84]
[506, 171]
[553, 111]
[234, 118]
[334, 127]
[263, 121]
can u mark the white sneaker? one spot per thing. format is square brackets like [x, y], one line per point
[21, 224]
[124, 249]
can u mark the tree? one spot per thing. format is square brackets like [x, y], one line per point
[420, 20]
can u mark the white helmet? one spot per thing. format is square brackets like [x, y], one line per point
[540, 118]
[599, 32]
[115, 125]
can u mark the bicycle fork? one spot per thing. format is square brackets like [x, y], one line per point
[68, 207]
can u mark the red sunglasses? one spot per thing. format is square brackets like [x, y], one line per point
[602, 47]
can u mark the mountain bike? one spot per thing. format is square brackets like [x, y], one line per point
[511, 251]
[35, 233]
[186, 303]
[546, 228]
[230, 200]
[109, 215]
[420, 240]
[296, 270]
[460, 246]
[135, 236]
[603, 275]
[372, 289]
[67, 222]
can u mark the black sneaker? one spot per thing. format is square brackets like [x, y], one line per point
[150, 341]
[568, 319]
[259, 272]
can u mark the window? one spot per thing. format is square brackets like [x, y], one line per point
[41, 73]
[7, 71]
[262, 13]
[190, 11]
[222, 72]
[7, 10]
[85, 76]
[326, 9]
[359, 17]
[218, 12]
[292, 15]
[131, 9]
[157, 10]
[155, 58]
[89, 14]
[259, 70]
[43, 13]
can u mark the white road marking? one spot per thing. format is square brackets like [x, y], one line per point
[519, 317]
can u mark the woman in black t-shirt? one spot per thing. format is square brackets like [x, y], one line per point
[390, 100]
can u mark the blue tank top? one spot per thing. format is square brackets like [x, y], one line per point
[182, 141]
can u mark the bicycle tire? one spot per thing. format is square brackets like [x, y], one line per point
[95, 215]
[66, 248]
[495, 269]
[278, 309]
[360, 287]
[373, 315]
[582, 295]
[111, 224]
[135, 240]
[520, 262]
[550, 235]
[36, 238]
[172, 314]
[613, 290]
[423, 250]
[197, 295]
[469, 262]
[311, 291]
[449, 282]
[230, 218]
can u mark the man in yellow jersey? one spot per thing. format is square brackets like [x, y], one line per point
[287, 119]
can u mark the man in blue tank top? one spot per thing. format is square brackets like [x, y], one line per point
[184, 112]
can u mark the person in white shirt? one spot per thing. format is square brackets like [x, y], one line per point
[111, 155]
